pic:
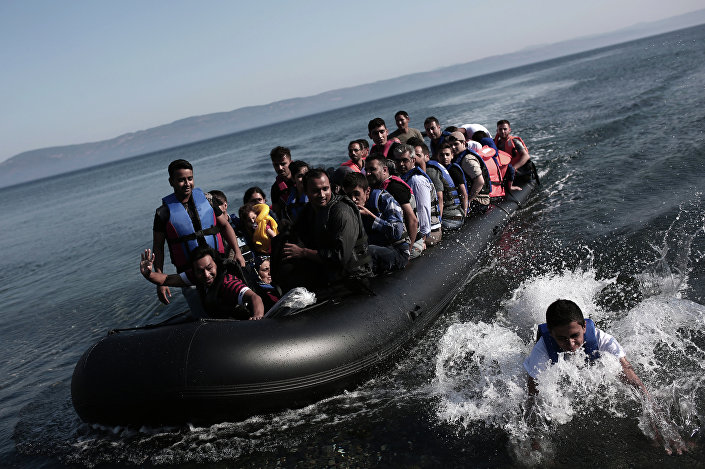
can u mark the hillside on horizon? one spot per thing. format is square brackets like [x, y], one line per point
[44, 162]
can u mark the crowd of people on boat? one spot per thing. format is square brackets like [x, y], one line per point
[330, 228]
[373, 214]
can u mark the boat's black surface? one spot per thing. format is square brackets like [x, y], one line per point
[210, 371]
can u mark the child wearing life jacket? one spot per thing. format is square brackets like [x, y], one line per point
[567, 331]
[259, 227]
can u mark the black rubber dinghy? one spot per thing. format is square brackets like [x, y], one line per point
[210, 371]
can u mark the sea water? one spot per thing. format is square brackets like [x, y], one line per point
[617, 226]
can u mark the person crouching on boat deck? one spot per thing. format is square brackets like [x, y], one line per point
[327, 244]
[383, 221]
[567, 331]
[186, 220]
[379, 177]
[427, 209]
[475, 172]
[222, 294]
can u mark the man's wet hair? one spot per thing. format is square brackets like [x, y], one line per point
[364, 144]
[314, 173]
[278, 152]
[430, 120]
[401, 113]
[376, 122]
[502, 122]
[354, 142]
[296, 166]
[353, 180]
[178, 164]
[451, 129]
[219, 197]
[202, 251]
[562, 312]
[251, 191]
[479, 135]
[445, 145]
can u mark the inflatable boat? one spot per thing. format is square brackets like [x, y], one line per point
[211, 370]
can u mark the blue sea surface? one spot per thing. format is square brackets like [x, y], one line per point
[618, 137]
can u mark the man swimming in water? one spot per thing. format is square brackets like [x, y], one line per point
[567, 331]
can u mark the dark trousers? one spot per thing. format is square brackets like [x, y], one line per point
[387, 258]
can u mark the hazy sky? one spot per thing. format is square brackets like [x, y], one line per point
[74, 71]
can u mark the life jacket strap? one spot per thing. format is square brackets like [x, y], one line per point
[213, 230]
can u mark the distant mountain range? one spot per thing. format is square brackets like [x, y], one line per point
[45, 162]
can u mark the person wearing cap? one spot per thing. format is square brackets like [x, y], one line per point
[475, 173]
[404, 132]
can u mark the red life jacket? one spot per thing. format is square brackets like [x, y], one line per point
[510, 148]
[497, 167]
[352, 165]
[385, 183]
[387, 146]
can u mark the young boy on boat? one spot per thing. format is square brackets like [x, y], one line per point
[567, 331]
[383, 220]
[222, 294]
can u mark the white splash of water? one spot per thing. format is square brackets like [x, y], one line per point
[480, 380]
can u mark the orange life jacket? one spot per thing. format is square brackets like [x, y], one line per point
[497, 164]
[510, 148]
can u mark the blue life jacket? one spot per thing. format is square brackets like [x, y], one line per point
[434, 147]
[487, 187]
[590, 346]
[182, 236]
[295, 204]
[450, 193]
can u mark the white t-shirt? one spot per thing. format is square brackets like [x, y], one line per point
[474, 146]
[472, 128]
[422, 191]
[539, 359]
